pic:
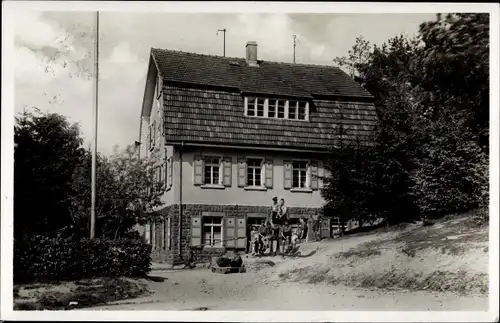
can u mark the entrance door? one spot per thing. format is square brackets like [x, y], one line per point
[326, 228]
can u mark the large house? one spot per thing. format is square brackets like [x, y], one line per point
[229, 134]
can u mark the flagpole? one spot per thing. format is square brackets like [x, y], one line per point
[95, 118]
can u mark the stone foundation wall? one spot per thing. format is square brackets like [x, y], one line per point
[171, 255]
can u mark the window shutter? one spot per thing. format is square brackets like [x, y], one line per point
[149, 137]
[170, 171]
[198, 170]
[242, 172]
[230, 232]
[195, 230]
[287, 174]
[226, 170]
[166, 174]
[153, 132]
[241, 232]
[269, 173]
[314, 175]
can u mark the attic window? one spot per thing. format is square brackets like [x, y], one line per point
[276, 108]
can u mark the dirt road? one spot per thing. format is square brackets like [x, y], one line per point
[200, 289]
[268, 288]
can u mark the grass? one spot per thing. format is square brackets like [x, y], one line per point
[438, 258]
[360, 253]
[78, 294]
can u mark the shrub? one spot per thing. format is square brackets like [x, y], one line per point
[42, 258]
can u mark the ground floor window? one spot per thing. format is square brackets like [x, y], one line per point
[212, 231]
[166, 234]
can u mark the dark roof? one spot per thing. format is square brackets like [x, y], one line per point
[197, 115]
[268, 78]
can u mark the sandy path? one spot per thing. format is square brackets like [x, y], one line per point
[262, 289]
[189, 290]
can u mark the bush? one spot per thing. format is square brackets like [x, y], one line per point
[42, 258]
[451, 178]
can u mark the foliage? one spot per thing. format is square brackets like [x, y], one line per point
[431, 96]
[358, 55]
[43, 258]
[349, 186]
[127, 193]
[452, 174]
[454, 65]
[47, 149]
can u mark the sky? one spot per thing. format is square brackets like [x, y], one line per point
[54, 55]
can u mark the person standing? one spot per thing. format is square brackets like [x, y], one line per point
[286, 237]
[275, 207]
[303, 230]
[283, 212]
[262, 236]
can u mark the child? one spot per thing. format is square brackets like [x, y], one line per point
[275, 208]
[286, 235]
[303, 230]
[275, 239]
[255, 241]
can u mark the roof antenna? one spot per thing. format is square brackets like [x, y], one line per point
[295, 41]
[224, 31]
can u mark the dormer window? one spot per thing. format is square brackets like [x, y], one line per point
[260, 106]
[281, 108]
[276, 108]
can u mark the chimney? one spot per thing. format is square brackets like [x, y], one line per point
[251, 56]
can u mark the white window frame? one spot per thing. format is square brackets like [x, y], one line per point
[306, 110]
[206, 225]
[270, 103]
[251, 105]
[262, 171]
[258, 101]
[307, 184]
[220, 181]
[285, 102]
[292, 108]
[166, 233]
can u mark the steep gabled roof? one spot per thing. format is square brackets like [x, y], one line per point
[268, 78]
[210, 116]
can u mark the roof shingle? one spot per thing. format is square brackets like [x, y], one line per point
[217, 117]
[268, 78]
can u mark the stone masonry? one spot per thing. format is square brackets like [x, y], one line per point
[170, 255]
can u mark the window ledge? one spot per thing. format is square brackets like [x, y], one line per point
[213, 186]
[255, 188]
[301, 190]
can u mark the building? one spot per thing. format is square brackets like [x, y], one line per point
[231, 133]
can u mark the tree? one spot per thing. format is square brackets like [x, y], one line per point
[431, 95]
[348, 188]
[127, 193]
[357, 57]
[454, 65]
[47, 149]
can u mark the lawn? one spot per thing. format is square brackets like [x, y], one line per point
[76, 294]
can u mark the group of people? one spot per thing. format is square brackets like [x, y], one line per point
[275, 232]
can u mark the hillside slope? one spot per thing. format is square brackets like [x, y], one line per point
[451, 255]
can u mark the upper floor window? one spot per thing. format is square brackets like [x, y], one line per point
[254, 172]
[299, 176]
[276, 108]
[212, 171]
